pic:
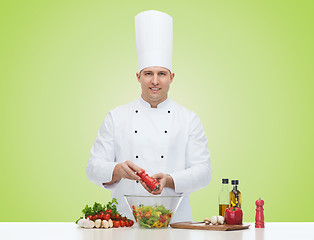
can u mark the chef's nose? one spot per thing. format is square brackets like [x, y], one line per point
[155, 79]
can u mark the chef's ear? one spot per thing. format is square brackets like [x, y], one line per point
[138, 75]
[171, 77]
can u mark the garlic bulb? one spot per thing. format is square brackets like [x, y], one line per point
[81, 222]
[88, 223]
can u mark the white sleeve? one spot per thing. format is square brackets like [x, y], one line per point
[102, 155]
[198, 170]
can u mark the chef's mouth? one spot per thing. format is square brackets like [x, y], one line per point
[154, 89]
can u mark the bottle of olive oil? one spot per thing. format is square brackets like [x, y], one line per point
[235, 195]
[223, 197]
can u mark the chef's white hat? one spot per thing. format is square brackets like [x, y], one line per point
[153, 34]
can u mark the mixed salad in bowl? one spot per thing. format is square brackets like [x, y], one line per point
[152, 216]
[153, 211]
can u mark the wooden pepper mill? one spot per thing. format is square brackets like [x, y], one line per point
[259, 217]
[151, 183]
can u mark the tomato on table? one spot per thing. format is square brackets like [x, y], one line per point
[131, 223]
[101, 216]
[122, 224]
[107, 216]
[108, 211]
[116, 224]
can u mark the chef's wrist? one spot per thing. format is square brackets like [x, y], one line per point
[169, 182]
[115, 175]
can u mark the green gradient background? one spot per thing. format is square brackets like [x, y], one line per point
[245, 67]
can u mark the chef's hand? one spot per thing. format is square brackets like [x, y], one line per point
[164, 180]
[125, 170]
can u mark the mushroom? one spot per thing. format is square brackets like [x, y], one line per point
[207, 221]
[110, 223]
[98, 223]
[105, 224]
[221, 220]
[214, 220]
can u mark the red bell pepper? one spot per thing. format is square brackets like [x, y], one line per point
[233, 216]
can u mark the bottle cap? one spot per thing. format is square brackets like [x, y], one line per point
[225, 180]
[235, 182]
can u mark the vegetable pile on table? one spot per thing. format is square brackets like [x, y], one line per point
[152, 216]
[106, 216]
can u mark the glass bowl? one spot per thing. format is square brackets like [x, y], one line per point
[153, 211]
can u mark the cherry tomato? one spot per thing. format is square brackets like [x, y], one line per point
[146, 215]
[95, 217]
[90, 217]
[107, 216]
[102, 216]
[122, 224]
[116, 224]
[131, 223]
[126, 223]
[109, 211]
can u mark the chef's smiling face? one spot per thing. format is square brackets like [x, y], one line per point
[155, 83]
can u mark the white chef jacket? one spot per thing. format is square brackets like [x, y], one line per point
[169, 139]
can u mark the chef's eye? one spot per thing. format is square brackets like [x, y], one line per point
[147, 73]
[162, 73]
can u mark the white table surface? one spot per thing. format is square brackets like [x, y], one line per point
[65, 230]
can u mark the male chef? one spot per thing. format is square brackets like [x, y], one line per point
[153, 133]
